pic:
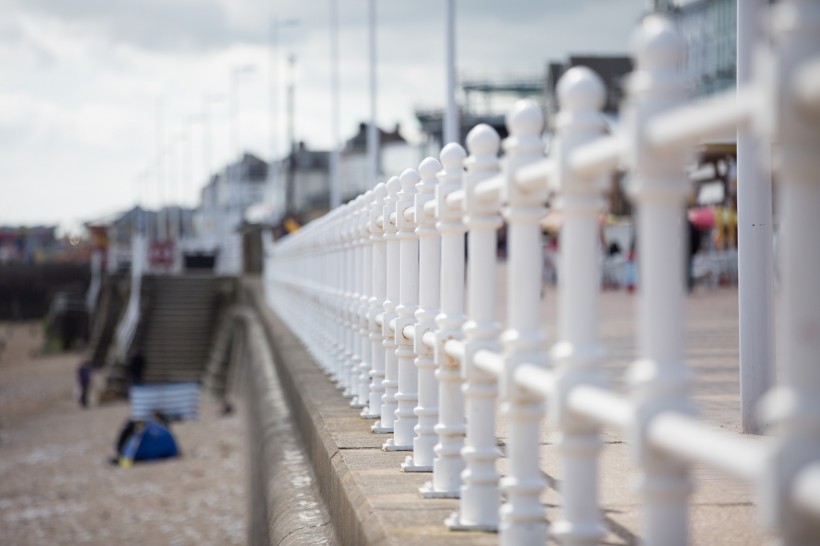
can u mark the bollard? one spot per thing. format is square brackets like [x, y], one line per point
[522, 517]
[448, 464]
[659, 379]
[385, 424]
[378, 295]
[406, 393]
[577, 354]
[363, 309]
[429, 270]
[480, 497]
[793, 407]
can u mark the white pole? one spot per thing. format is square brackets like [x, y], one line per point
[407, 393]
[451, 122]
[578, 353]
[659, 378]
[448, 464]
[792, 408]
[335, 181]
[754, 230]
[429, 267]
[522, 517]
[365, 291]
[372, 128]
[385, 424]
[379, 294]
[480, 495]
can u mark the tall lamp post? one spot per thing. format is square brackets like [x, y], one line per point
[274, 82]
[372, 128]
[451, 124]
[335, 182]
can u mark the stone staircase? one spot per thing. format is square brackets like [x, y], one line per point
[179, 323]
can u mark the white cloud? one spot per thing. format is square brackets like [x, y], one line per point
[80, 81]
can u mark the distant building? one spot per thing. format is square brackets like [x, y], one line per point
[302, 180]
[223, 202]
[34, 244]
[485, 101]
[612, 69]
[710, 30]
[395, 155]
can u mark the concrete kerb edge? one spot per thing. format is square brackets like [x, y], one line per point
[345, 501]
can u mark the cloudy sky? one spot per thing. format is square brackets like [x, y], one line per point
[86, 86]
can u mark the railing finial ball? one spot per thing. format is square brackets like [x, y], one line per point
[393, 186]
[525, 118]
[429, 167]
[379, 191]
[581, 88]
[483, 140]
[408, 179]
[453, 156]
[657, 45]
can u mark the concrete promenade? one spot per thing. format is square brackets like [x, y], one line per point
[372, 502]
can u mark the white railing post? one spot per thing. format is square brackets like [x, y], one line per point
[522, 517]
[794, 406]
[429, 268]
[391, 372]
[351, 359]
[448, 464]
[480, 496]
[378, 294]
[406, 394]
[659, 379]
[337, 295]
[355, 296]
[363, 309]
[577, 354]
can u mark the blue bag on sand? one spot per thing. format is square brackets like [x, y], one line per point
[154, 441]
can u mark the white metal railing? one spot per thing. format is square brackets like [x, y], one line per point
[127, 328]
[376, 290]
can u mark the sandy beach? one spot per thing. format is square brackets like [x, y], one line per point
[57, 487]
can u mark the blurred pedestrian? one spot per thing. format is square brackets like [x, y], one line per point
[136, 368]
[84, 381]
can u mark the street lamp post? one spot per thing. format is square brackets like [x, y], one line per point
[274, 80]
[335, 182]
[372, 131]
[451, 124]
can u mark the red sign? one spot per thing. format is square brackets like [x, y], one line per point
[161, 254]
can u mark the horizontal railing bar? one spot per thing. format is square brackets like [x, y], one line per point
[380, 319]
[430, 208]
[597, 157]
[455, 200]
[410, 214]
[721, 115]
[409, 332]
[602, 406]
[806, 490]
[454, 348]
[687, 439]
[490, 189]
[530, 177]
[489, 361]
[393, 219]
[429, 339]
[535, 379]
[380, 221]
